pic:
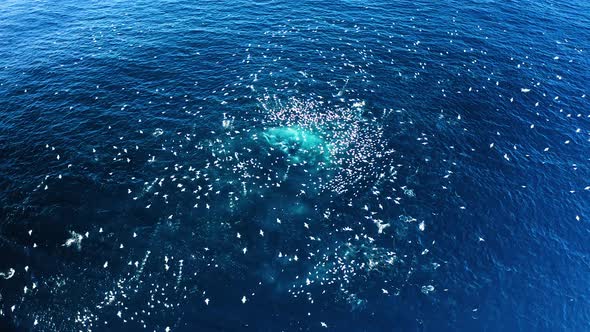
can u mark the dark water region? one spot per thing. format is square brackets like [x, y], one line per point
[294, 166]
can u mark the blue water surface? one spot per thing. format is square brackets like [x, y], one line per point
[435, 176]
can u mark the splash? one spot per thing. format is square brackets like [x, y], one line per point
[359, 154]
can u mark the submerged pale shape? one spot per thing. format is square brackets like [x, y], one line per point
[299, 145]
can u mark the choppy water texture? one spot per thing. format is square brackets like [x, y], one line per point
[294, 166]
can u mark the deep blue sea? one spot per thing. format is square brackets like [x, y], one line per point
[295, 165]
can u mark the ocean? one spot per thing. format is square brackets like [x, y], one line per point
[294, 165]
